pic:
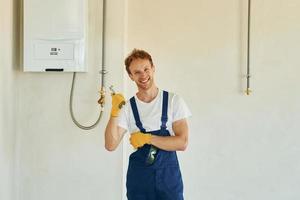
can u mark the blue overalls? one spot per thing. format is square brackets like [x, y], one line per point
[161, 178]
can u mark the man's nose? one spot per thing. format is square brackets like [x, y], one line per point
[143, 74]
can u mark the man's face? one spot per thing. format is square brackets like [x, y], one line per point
[142, 73]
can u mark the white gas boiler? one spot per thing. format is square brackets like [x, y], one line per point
[54, 35]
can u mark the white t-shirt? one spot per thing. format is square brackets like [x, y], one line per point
[150, 113]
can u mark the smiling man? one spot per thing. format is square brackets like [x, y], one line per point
[157, 121]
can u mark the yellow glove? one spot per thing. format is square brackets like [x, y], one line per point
[118, 101]
[139, 139]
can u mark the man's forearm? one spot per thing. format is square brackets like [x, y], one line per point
[170, 143]
[112, 137]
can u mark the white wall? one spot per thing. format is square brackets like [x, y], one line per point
[55, 159]
[7, 98]
[241, 147]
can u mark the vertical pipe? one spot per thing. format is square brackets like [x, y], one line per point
[103, 68]
[248, 48]
[103, 71]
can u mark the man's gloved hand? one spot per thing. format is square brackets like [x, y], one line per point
[118, 101]
[139, 139]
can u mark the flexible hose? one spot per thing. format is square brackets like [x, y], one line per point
[102, 72]
[71, 109]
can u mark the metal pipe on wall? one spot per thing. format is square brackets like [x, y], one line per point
[248, 91]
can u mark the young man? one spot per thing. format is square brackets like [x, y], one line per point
[157, 122]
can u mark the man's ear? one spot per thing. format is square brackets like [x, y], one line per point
[153, 67]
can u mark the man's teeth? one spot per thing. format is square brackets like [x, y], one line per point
[144, 81]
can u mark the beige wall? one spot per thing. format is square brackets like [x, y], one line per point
[57, 160]
[241, 147]
[7, 99]
[43, 155]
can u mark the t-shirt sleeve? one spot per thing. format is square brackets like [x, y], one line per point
[180, 109]
[123, 118]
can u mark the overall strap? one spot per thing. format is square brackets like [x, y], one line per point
[164, 115]
[138, 122]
